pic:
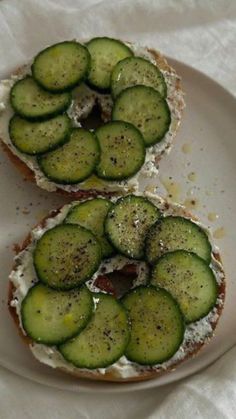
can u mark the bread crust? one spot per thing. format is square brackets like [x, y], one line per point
[29, 174]
[147, 373]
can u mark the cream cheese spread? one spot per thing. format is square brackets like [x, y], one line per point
[83, 102]
[24, 276]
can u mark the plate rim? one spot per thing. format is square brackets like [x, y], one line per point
[91, 386]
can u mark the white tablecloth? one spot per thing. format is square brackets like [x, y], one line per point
[200, 33]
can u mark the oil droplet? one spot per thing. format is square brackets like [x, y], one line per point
[191, 203]
[186, 148]
[25, 211]
[172, 188]
[212, 216]
[219, 233]
[192, 176]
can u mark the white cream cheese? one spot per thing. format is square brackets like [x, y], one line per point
[84, 99]
[24, 276]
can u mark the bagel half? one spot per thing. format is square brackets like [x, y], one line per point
[196, 336]
[28, 165]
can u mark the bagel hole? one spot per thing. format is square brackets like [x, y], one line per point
[118, 282]
[94, 119]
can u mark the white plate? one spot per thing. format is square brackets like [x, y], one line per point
[209, 125]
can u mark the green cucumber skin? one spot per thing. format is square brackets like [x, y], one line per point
[102, 89]
[59, 144]
[112, 178]
[142, 257]
[177, 252]
[107, 253]
[150, 286]
[44, 117]
[64, 182]
[68, 181]
[159, 137]
[72, 208]
[68, 88]
[46, 342]
[114, 96]
[118, 356]
[61, 288]
[187, 220]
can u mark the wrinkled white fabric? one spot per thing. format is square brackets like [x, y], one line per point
[209, 394]
[198, 32]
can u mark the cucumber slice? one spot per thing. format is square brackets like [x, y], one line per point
[38, 137]
[52, 317]
[91, 214]
[127, 224]
[61, 66]
[122, 151]
[30, 101]
[143, 107]
[137, 70]
[190, 280]
[157, 325]
[105, 338]
[105, 54]
[66, 256]
[75, 161]
[174, 233]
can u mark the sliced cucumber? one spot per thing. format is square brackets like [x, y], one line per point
[61, 66]
[122, 151]
[105, 338]
[30, 101]
[190, 280]
[32, 138]
[137, 70]
[66, 256]
[74, 161]
[91, 214]
[127, 224]
[174, 233]
[52, 317]
[143, 107]
[157, 325]
[105, 54]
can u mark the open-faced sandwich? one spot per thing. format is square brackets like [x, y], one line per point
[95, 116]
[123, 289]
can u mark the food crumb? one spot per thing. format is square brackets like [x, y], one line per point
[151, 188]
[25, 211]
[191, 203]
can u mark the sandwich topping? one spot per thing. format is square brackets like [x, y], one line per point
[94, 298]
[99, 127]
[128, 285]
